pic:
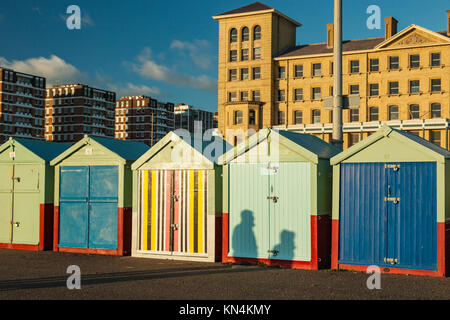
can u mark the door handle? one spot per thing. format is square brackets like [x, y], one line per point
[16, 178]
[273, 252]
[391, 261]
[15, 224]
[394, 200]
[175, 226]
[274, 199]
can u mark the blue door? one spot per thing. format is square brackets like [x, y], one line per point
[388, 215]
[89, 211]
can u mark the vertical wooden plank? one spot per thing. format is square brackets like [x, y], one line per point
[168, 212]
[200, 232]
[153, 210]
[191, 211]
[145, 212]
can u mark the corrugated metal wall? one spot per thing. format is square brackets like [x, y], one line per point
[377, 231]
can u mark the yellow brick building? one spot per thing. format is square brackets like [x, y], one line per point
[265, 80]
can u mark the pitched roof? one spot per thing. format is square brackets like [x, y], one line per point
[425, 143]
[257, 6]
[128, 150]
[321, 48]
[44, 149]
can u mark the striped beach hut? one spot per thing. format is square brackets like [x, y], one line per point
[177, 200]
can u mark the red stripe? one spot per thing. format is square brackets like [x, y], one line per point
[393, 270]
[56, 229]
[225, 237]
[441, 248]
[120, 221]
[306, 265]
[314, 257]
[13, 246]
[335, 245]
[447, 248]
[176, 211]
[127, 230]
[90, 251]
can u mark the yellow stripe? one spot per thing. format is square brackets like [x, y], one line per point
[200, 212]
[153, 236]
[191, 211]
[145, 212]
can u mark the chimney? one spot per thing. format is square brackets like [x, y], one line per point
[448, 23]
[390, 27]
[330, 35]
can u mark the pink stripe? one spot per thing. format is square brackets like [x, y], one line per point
[176, 211]
[167, 232]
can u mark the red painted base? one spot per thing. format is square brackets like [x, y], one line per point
[218, 240]
[124, 234]
[443, 254]
[45, 232]
[320, 247]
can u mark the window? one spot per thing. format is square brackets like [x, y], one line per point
[354, 89]
[257, 33]
[393, 113]
[298, 117]
[316, 93]
[233, 75]
[256, 73]
[298, 71]
[245, 34]
[354, 66]
[414, 86]
[233, 55]
[354, 115]
[244, 74]
[393, 87]
[317, 69]
[435, 110]
[374, 65]
[232, 97]
[238, 117]
[244, 54]
[394, 63]
[256, 95]
[298, 94]
[244, 96]
[435, 85]
[233, 35]
[414, 111]
[252, 117]
[316, 116]
[281, 117]
[435, 137]
[281, 72]
[374, 89]
[256, 53]
[373, 114]
[281, 95]
[435, 59]
[353, 138]
[414, 61]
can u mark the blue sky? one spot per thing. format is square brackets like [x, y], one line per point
[166, 49]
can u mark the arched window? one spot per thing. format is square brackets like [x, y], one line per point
[245, 34]
[233, 35]
[257, 33]
[435, 110]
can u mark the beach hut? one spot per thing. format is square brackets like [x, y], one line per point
[277, 200]
[26, 193]
[391, 205]
[93, 194]
[177, 201]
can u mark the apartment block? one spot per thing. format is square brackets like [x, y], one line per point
[22, 99]
[267, 80]
[188, 117]
[73, 110]
[142, 118]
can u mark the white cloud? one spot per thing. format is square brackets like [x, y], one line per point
[55, 69]
[134, 90]
[149, 69]
[198, 50]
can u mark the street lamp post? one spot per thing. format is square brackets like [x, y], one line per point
[337, 138]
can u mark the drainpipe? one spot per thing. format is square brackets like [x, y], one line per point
[337, 49]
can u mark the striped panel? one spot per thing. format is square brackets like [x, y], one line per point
[174, 197]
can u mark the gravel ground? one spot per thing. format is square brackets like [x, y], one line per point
[42, 275]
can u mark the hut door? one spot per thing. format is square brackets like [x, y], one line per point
[174, 211]
[289, 212]
[411, 215]
[25, 218]
[6, 197]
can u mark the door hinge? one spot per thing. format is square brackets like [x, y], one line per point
[273, 252]
[16, 178]
[274, 199]
[16, 224]
[391, 261]
[175, 226]
[394, 200]
[396, 167]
